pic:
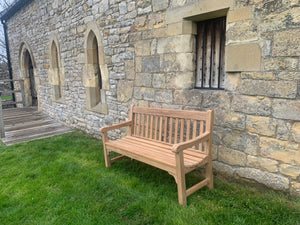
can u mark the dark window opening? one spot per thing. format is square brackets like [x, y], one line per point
[210, 70]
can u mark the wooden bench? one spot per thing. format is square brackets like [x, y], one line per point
[177, 141]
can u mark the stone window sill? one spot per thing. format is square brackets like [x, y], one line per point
[100, 108]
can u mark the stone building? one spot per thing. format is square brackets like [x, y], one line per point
[89, 60]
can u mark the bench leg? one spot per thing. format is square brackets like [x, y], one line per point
[107, 158]
[209, 174]
[180, 179]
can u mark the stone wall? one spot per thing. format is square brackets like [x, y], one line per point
[149, 53]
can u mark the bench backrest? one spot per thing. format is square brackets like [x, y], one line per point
[169, 125]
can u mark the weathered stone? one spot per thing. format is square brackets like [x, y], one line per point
[241, 141]
[261, 125]
[156, 20]
[291, 171]
[286, 109]
[223, 168]
[280, 150]
[243, 57]
[234, 120]
[232, 157]
[242, 31]
[151, 64]
[278, 89]
[181, 80]
[188, 97]
[178, 44]
[129, 70]
[252, 105]
[262, 163]
[142, 48]
[165, 96]
[232, 81]
[285, 75]
[271, 180]
[258, 76]
[295, 188]
[143, 80]
[283, 129]
[239, 14]
[287, 43]
[296, 132]
[281, 63]
[159, 80]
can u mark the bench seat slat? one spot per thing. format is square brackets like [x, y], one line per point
[157, 151]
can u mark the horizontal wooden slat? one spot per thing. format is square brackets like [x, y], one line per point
[186, 114]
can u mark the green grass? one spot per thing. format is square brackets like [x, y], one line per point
[6, 98]
[63, 180]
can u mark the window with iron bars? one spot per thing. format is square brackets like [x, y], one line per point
[210, 71]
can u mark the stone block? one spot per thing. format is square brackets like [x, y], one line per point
[286, 43]
[181, 80]
[259, 76]
[124, 90]
[232, 157]
[185, 62]
[129, 70]
[271, 180]
[243, 57]
[188, 97]
[277, 89]
[261, 125]
[159, 80]
[295, 188]
[234, 120]
[252, 105]
[143, 80]
[245, 31]
[142, 48]
[285, 75]
[296, 132]
[182, 27]
[176, 44]
[291, 171]
[223, 168]
[164, 96]
[283, 129]
[262, 163]
[238, 140]
[280, 150]
[232, 81]
[286, 109]
[151, 64]
[281, 63]
[239, 14]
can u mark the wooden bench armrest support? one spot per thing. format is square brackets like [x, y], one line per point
[116, 126]
[188, 144]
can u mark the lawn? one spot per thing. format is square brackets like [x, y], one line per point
[63, 180]
[6, 98]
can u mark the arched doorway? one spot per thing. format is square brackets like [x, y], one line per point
[27, 74]
[29, 68]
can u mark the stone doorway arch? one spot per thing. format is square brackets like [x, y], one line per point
[28, 74]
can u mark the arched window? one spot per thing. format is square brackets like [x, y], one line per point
[94, 68]
[54, 66]
[95, 73]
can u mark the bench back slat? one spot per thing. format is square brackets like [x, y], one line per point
[169, 126]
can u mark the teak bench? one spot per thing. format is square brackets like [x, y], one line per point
[177, 141]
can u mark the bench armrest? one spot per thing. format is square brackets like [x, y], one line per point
[190, 143]
[116, 126]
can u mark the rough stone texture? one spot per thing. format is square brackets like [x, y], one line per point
[271, 180]
[280, 150]
[296, 132]
[286, 109]
[232, 157]
[287, 43]
[262, 163]
[148, 54]
[261, 125]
